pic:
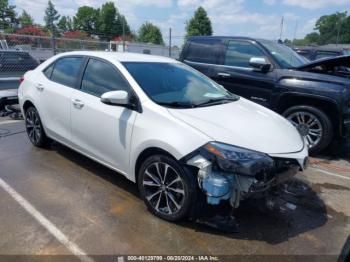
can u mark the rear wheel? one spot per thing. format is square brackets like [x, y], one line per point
[34, 128]
[313, 124]
[166, 188]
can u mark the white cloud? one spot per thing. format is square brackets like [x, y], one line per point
[315, 4]
[229, 17]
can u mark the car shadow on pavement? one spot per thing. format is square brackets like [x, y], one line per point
[95, 168]
[337, 150]
[298, 209]
[256, 222]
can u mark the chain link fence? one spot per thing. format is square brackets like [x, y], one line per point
[43, 47]
[20, 53]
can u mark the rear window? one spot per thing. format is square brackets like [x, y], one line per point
[204, 51]
[17, 62]
[66, 71]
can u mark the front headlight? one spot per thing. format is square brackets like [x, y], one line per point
[238, 160]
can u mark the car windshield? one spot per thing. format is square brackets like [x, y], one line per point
[177, 85]
[284, 55]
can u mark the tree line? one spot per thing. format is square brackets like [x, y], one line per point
[329, 29]
[105, 23]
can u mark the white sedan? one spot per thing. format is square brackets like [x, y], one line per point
[163, 125]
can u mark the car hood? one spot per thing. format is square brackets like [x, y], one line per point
[328, 62]
[245, 124]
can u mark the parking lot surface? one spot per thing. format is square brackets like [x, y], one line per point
[57, 202]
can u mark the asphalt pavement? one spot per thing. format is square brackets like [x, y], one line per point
[57, 202]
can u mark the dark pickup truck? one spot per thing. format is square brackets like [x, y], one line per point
[13, 65]
[314, 96]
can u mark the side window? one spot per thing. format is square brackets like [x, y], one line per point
[66, 70]
[239, 53]
[204, 51]
[48, 71]
[101, 77]
[325, 54]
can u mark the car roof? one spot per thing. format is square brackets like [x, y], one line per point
[228, 37]
[122, 57]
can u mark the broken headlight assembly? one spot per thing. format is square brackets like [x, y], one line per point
[227, 172]
[236, 159]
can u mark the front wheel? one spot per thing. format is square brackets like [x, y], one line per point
[166, 188]
[313, 124]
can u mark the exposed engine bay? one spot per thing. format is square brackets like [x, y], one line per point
[338, 66]
[219, 185]
[227, 173]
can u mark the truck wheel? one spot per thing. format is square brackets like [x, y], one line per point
[313, 124]
[166, 188]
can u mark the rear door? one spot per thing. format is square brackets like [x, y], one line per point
[204, 54]
[53, 91]
[237, 76]
[99, 130]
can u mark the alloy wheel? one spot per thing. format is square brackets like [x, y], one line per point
[308, 125]
[33, 126]
[164, 188]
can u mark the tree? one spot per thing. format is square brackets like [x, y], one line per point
[31, 30]
[51, 18]
[312, 38]
[333, 28]
[25, 19]
[199, 24]
[107, 16]
[110, 22]
[150, 33]
[86, 19]
[8, 18]
[76, 35]
[120, 22]
[65, 24]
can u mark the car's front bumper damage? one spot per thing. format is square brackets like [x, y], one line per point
[219, 185]
[257, 178]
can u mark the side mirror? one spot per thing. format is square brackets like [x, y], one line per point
[118, 98]
[260, 64]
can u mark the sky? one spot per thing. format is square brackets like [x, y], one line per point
[255, 18]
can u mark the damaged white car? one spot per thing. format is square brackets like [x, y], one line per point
[163, 125]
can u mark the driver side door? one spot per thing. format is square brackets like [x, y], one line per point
[99, 130]
[238, 77]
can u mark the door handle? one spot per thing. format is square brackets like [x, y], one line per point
[224, 74]
[40, 87]
[77, 103]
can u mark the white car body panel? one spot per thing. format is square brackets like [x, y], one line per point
[245, 124]
[115, 136]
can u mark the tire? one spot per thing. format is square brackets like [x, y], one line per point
[177, 192]
[35, 129]
[313, 124]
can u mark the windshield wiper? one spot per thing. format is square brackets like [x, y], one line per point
[176, 104]
[216, 101]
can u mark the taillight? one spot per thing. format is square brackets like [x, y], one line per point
[21, 79]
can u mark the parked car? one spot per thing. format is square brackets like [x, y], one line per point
[13, 65]
[163, 125]
[319, 52]
[314, 96]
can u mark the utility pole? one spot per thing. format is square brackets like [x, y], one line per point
[338, 33]
[170, 42]
[123, 21]
[282, 24]
[295, 32]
